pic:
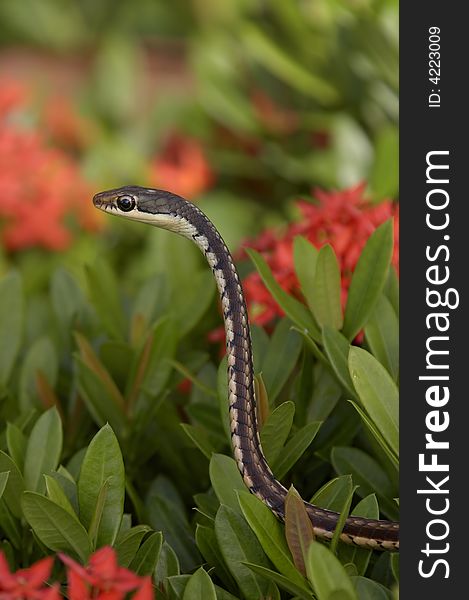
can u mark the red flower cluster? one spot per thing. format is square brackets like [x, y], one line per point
[343, 219]
[64, 126]
[102, 579]
[41, 186]
[182, 167]
[28, 584]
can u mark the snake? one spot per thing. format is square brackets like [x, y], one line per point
[172, 212]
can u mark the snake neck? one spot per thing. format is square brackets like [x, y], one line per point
[245, 441]
[190, 222]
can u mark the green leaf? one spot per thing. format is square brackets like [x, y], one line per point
[326, 303]
[16, 442]
[382, 336]
[337, 349]
[222, 392]
[145, 560]
[57, 495]
[294, 449]
[175, 586]
[305, 257]
[226, 480]
[100, 401]
[367, 589]
[55, 527]
[41, 359]
[239, 545]
[151, 297]
[395, 566]
[128, 543]
[327, 575]
[199, 587]
[157, 367]
[68, 485]
[260, 343]
[326, 394]
[67, 299]
[275, 59]
[393, 459]
[207, 503]
[208, 546]
[391, 289]
[343, 514]
[95, 365]
[262, 400]
[93, 529]
[102, 461]
[15, 484]
[384, 176]
[367, 474]
[270, 535]
[43, 449]
[299, 531]
[281, 358]
[281, 581]
[207, 418]
[167, 565]
[199, 438]
[104, 293]
[11, 324]
[333, 494]
[199, 385]
[294, 309]
[189, 308]
[360, 557]
[3, 481]
[274, 432]
[174, 525]
[10, 525]
[368, 279]
[378, 394]
[116, 358]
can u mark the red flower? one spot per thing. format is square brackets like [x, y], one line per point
[104, 579]
[343, 219]
[12, 96]
[65, 126]
[28, 584]
[274, 117]
[182, 167]
[41, 186]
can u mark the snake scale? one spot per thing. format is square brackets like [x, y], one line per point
[174, 213]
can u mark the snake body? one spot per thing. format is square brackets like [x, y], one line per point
[169, 211]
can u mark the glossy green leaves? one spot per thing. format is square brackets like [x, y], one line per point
[327, 575]
[43, 450]
[55, 527]
[368, 279]
[74, 517]
[101, 488]
[378, 395]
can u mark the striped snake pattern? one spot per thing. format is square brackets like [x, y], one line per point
[168, 211]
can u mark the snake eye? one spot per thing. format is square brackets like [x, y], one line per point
[125, 203]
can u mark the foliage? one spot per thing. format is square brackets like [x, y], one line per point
[280, 121]
[282, 97]
[330, 412]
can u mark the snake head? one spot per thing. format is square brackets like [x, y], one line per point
[138, 203]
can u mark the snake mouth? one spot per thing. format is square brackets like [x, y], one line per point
[103, 201]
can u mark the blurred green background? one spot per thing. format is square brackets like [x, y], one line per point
[244, 105]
